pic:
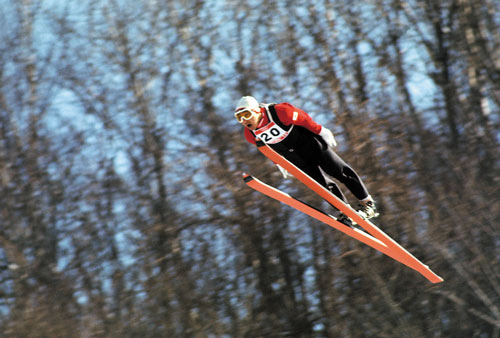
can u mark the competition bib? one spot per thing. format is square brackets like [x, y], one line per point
[272, 133]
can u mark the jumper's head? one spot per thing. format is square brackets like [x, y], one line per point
[247, 112]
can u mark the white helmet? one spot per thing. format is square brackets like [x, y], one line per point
[247, 103]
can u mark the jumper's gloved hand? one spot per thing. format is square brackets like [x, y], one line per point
[283, 171]
[327, 136]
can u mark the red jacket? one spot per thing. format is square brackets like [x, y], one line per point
[287, 114]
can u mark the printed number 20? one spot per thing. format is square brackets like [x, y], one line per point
[266, 137]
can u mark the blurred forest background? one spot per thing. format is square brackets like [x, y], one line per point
[122, 208]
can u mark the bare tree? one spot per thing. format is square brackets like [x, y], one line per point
[122, 208]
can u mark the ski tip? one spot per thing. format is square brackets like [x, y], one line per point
[437, 280]
[247, 178]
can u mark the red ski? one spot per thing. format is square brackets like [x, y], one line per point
[375, 238]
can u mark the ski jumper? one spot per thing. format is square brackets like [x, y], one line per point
[294, 135]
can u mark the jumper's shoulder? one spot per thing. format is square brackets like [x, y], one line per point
[249, 136]
[284, 106]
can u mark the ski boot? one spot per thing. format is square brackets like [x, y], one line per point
[345, 220]
[367, 210]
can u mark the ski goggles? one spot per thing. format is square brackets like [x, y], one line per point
[243, 115]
